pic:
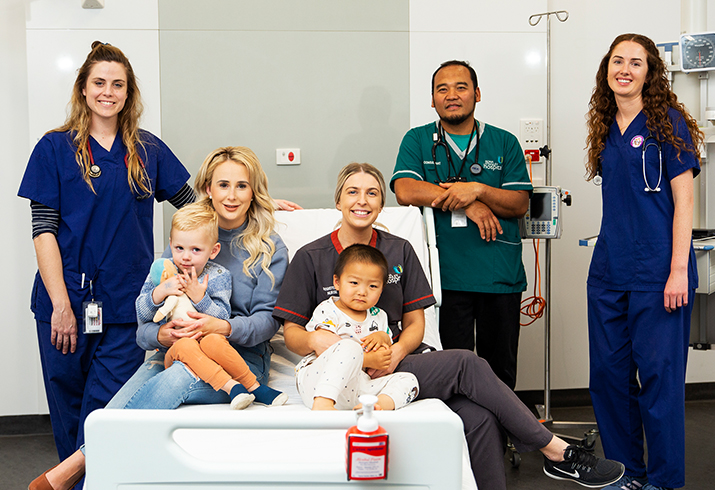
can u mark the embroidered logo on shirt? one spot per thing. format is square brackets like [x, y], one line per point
[637, 141]
[492, 165]
[395, 278]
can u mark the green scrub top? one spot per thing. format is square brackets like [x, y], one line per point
[467, 262]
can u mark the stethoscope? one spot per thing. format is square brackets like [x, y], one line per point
[95, 170]
[439, 140]
[598, 179]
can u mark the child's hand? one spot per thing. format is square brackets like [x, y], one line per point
[376, 340]
[377, 359]
[170, 287]
[194, 289]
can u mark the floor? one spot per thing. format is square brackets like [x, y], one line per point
[25, 455]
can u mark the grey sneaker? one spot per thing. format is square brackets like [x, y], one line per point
[628, 483]
[648, 486]
[581, 466]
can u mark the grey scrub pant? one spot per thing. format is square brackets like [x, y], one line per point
[489, 410]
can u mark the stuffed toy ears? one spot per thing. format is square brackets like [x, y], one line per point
[161, 270]
[170, 270]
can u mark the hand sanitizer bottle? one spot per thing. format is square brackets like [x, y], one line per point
[367, 445]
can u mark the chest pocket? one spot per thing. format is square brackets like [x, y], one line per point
[143, 205]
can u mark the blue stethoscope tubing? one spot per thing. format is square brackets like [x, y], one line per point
[598, 179]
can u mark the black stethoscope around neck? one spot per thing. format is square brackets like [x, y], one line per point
[439, 140]
[598, 179]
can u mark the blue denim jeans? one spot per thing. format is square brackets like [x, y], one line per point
[153, 387]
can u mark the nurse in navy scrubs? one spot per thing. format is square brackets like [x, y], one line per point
[643, 147]
[92, 184]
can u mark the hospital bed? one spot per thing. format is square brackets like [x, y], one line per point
[211, 446]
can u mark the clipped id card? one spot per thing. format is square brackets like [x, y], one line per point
[92, 316]
[459, 218]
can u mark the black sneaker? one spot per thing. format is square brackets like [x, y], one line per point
[581, 466]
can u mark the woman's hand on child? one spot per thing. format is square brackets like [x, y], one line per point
[171, 331]
[321, 339]
[208, 324]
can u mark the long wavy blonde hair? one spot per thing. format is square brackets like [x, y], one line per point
[657, 99]
[80, 117]
[256, 238]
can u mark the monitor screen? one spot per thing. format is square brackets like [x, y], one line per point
[541, 206]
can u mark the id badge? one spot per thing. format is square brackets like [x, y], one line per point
[92, 316]
[459, 218]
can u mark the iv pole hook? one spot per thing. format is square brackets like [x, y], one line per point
[562, 15]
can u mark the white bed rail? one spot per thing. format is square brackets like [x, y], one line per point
[188, 449]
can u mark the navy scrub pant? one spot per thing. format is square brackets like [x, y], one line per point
[638, 354]
[77, 384]
[489, 409]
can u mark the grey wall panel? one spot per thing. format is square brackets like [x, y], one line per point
[284, 15]
[338, 96]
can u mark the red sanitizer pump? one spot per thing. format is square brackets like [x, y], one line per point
[367, 445]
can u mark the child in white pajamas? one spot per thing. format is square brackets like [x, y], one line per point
[336, 378]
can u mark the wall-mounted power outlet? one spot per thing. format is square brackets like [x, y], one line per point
[531, 134]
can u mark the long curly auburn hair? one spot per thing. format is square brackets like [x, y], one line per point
[657, 99]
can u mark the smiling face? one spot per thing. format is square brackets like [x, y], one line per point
[230, 193]
[360, 286]
[192, 248]
[360, 201]
[628, 70]
[454, 96]
[106, 89]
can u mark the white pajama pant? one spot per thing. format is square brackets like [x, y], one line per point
[337, 374]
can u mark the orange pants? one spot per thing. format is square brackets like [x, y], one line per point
[212, 359]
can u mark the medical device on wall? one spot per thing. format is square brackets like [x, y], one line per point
[543, 217]
[697, 52]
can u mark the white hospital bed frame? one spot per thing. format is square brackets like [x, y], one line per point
[210, 446]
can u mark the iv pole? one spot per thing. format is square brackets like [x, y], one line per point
[545, 409]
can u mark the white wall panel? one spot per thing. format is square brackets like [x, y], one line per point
[54, 56]
[453, 16]
[22, 383]
[511, 74]
[69, 14]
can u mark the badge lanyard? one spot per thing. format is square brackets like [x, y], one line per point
[92, 312]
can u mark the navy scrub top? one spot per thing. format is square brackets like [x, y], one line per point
[107, 236]
[634, 247]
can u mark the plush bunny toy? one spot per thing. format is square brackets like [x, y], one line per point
[175, 307]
